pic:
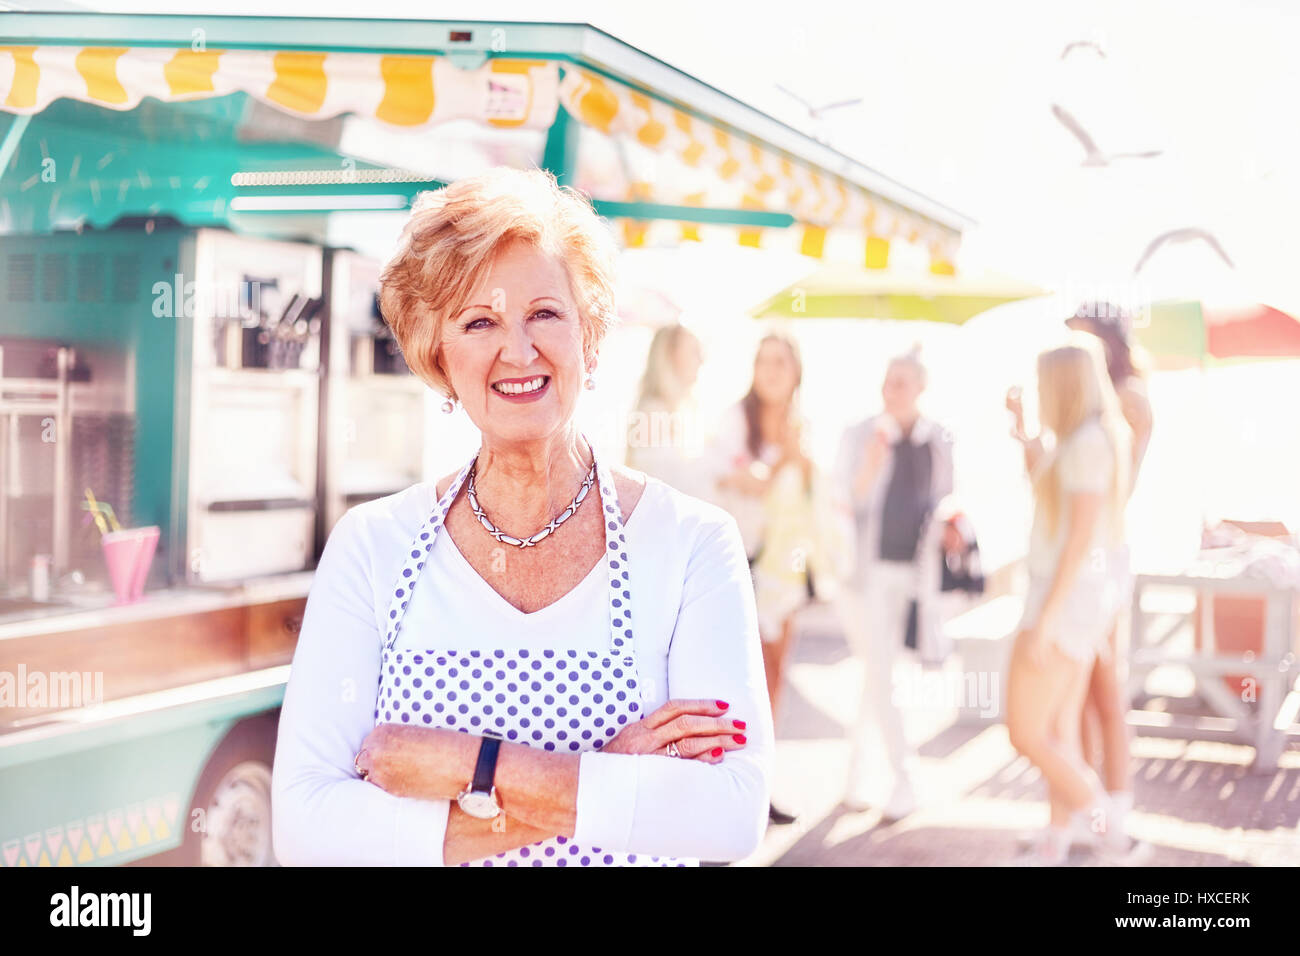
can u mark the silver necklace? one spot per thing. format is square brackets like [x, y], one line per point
[563, 516]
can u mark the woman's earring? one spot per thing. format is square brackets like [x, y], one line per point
[590, 383]
[448, 407]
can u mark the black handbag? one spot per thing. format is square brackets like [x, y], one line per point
[959, 571]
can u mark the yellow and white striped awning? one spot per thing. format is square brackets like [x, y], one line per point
[817, 199]
[403, 91]
[418, 91]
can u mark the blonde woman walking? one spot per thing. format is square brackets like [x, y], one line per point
[1080, 486]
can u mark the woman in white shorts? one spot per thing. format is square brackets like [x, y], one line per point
[1080, 485]
[1104, 728]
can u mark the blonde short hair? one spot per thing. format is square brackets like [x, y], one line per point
[452, 238]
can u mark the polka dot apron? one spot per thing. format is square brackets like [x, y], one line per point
[562, 700]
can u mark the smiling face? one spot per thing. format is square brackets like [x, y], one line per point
[514, 351]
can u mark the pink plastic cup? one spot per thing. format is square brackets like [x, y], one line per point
[144, 560]
[129, 554]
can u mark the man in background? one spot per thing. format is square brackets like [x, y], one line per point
[891, 471]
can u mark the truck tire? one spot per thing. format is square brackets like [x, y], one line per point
[233, 800]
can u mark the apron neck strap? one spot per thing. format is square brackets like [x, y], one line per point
[616, 558]
[617, 566]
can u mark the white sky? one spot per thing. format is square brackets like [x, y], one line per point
[956, 100]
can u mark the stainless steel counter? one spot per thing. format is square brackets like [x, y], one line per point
[88, 611]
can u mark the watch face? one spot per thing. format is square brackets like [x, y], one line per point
[479, 804]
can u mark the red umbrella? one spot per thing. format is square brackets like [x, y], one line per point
[1182, 331]
[1253, 330]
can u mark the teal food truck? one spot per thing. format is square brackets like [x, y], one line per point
[189, 333]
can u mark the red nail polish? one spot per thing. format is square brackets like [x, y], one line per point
[738, 738]
[739, 723]
[717, 751]
[722, 704]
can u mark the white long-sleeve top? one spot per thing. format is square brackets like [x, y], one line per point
[696, 637]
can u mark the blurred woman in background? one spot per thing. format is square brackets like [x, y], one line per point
[1125, 367]
[1080, 483]
[662, 433]
[1104, 730]
[1103, 724]
[764, 477]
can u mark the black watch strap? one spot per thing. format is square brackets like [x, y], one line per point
[486, 768]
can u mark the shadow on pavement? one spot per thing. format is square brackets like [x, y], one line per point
[904, 843]
[1225, 796]
[802, 719]
[947, 741]
[820, 646]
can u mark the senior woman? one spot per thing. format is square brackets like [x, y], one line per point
[541, 659]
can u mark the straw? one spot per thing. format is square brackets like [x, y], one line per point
[101, 509]
[112, 518]
[93, 507]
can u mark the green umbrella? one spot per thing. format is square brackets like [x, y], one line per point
[843, 291]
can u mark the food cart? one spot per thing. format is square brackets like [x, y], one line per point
[190, 329]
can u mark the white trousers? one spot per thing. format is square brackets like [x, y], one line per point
[875, 622]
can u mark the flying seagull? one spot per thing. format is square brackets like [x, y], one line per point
[817, 114]
[816, 111]
[1093, 156]
[1190, 234]
[1083, 45]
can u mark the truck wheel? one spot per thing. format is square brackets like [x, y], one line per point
[234, 797]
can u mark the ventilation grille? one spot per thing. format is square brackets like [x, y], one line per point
[56, 276]
[126, 277]
[90, 277]
[22, 277]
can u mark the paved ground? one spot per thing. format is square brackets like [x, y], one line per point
[1197, 802]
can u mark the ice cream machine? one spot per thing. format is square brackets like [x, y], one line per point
[179, 371]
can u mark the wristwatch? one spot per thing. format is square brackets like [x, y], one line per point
[479, 799]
